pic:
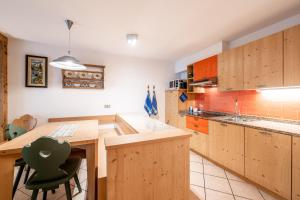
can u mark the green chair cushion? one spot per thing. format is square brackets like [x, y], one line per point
[69, 167]
[13, 131]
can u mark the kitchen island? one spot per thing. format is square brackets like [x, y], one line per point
[151, 161]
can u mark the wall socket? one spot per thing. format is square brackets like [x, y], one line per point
[107, 106]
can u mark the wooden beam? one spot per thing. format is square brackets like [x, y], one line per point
[3, 86]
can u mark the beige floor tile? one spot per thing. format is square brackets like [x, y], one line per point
[198, 191]
[195, 158]
[214, 195]
[214, 170]
[83, 164]
[217, 183]
[207, 162]
[80, 196]
[196, 167]
[245, 190]
[82, 175]
[21, 196]
[233, 177]
[196, 179]
[267, 196]
[240, 198]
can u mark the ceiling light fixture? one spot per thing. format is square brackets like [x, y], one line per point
[68, 62]
[132, 39]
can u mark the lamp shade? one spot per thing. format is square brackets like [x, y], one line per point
[68, 63]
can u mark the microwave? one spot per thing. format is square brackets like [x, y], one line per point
[178, 84]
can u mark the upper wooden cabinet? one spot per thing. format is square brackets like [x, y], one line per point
[206, 68]
[292, 56]
[226, 145]
[231, 70]
[268, 160]
[263, 62]
[296, 169]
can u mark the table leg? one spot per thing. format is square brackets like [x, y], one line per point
[6, 176]
[92, 170]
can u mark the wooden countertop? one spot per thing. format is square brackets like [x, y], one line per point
[148, 130]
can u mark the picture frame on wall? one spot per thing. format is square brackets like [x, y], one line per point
[36, 71]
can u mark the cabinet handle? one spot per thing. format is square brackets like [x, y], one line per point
[261, 86]
[196, 126]
[265, 133]
[228, 89]
[222, 124]
[196, 133]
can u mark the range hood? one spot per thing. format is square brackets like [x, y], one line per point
[209, 82]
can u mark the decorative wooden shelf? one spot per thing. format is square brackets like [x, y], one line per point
[87, 79]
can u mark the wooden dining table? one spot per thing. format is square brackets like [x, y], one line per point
[84, 137]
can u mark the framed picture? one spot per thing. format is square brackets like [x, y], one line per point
[36, 71]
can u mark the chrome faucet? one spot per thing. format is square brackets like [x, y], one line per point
[236, 110]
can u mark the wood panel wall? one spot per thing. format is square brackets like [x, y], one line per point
[157, 170]
[3, 85]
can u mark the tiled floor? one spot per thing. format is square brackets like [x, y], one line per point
[24, 194]
[210, 182]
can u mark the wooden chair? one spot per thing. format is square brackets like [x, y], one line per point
[26, 121]
[52, 167]
[12, 132]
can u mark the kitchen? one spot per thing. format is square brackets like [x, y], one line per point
[142, 107]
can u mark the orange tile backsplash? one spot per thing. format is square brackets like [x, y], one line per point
[282, 104]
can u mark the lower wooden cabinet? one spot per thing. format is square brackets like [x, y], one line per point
[268, 160]
[226, 145]
[199, 143]
[296, 168]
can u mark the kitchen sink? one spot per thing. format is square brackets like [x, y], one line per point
[240, 119]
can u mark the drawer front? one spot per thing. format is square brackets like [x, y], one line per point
[197, 124]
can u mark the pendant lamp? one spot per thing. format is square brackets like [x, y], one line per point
[68, 62]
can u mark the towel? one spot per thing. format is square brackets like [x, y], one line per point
[154, 104]
[148, 104]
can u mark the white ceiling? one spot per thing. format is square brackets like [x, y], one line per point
[168, 29]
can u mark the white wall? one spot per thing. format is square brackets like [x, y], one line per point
[126, 79]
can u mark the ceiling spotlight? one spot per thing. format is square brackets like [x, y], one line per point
[132, 39]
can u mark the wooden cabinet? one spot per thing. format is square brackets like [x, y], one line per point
[263, 62]
[226, 145]
[268, 160]
[181, 121]
[292, 56]
[205, 69]
[197, 124]
[296, 169]
[171, 106]
[199, 143]
[231, 70]
[3, 85]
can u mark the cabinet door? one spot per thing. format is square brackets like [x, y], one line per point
[268, 160]
[171, 107]
[181, 121]
[199, 143]
[206, 68]
[263, 62]
[292, 56]
[226, 145]
[296, 169]
[231, 70]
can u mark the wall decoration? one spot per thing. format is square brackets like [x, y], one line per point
[36, 71]
[92, 78]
